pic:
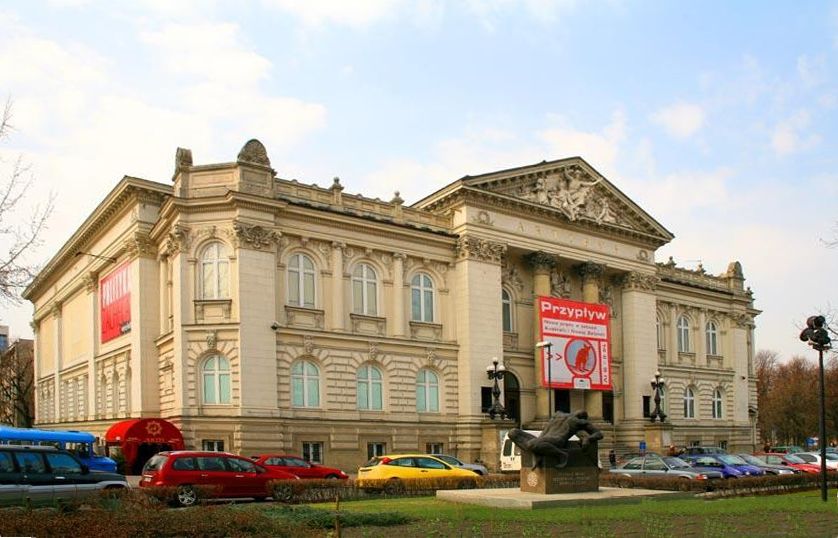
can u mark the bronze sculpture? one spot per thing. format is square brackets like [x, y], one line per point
[555, 443]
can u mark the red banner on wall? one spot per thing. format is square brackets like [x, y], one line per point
[115, 303]
[579, 357]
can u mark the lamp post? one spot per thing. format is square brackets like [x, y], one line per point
[816, 335]
[657, 385]
[495, 373]
[549, 346]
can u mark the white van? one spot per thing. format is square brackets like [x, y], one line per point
[510, 453]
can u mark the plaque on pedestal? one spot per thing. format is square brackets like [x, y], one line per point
[579, 473]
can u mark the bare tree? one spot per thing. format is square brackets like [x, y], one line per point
[17, 397]
[20, 231]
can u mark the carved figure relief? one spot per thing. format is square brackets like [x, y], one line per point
[256, 237]
[571, 191]
[559, 284]
[480, 249]
[510, 276]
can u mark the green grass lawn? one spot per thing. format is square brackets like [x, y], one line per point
[799, 514]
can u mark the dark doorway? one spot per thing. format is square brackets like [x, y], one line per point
[512, 397]
[608, 407]
[561, 400]
[144, 453]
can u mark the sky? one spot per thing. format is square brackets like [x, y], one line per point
[720, 119]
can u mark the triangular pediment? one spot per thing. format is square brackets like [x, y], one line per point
[569, 188]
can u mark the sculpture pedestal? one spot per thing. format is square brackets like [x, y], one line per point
[658, 437]
[581, 473]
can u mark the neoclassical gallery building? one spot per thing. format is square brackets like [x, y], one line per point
[264, 314]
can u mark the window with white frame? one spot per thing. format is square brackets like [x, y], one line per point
[717, 403]
[364, 290]
[689, 403]
[711, 333]
[422, 298]
[376, 449]
[215, 373]
[683, 327]
[433, 448]
[212, 445]
[427, 391]
[369, 388]
[506, 308]
[313, 452]
[301, 281]
[215, 271]
[305, 384]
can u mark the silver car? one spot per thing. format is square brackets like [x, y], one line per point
[815, 459]
[767, 467]
[654, 465]
[451, 460]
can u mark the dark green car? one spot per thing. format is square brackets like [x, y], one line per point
[41, 475]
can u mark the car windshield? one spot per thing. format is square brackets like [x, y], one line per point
[731, 460]
[831, 456]
[449, 459]
[751, 459]
[676, 463]
[791, 458]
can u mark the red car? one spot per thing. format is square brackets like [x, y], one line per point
[230, 476]
[298, 466]
[789, 460]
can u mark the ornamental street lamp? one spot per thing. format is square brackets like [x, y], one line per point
[495, 373]
[816, 335]
[657, 386]
[548, 346]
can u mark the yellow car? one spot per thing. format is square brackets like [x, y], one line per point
[388, 472]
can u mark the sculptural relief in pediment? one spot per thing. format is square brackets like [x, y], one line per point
[574, 192]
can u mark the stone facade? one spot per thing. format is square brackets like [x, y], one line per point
[273, 315]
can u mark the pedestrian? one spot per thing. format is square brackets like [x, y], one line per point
[612, 458]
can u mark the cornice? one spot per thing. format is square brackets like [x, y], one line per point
[128, 190]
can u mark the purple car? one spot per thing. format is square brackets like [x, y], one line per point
[729, 465]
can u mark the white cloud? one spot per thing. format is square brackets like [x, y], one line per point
[680, 120]
[355, 13]
[788, 136]
[600, 149]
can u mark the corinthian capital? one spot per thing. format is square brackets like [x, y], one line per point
[480, 249]
[590, 270]
[639, 281]
[540, 260]
[255, 237]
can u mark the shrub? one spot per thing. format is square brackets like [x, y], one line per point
[768, 484]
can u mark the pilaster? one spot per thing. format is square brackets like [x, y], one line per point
[542, 264]
[398, 326]
[591, 274]
[640, 355]
[338, 315]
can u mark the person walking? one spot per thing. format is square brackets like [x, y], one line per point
[612, 458]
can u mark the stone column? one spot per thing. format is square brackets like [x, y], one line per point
[701, 339]
[541, 263]
[338, 314]
[56, 312]
[398, 328]
[91, 284]
[673, 334]
[591, 274]
[640, 354]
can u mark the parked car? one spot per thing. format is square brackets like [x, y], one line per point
[654, 465]
[697, 450]
[713, 462]
[786, 449]
[227, 474]
[815, 459]
[45, 475]
[790, 460]
[768, 467]
[451, 460]
[298, 466]
[386, 472]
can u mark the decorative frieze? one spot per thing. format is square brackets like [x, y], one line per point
[469, 247]
[255, 237]
[639, 281]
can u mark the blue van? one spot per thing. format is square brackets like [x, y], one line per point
[80, 444]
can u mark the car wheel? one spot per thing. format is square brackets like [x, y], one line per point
[331, 477]
[259, 499]
[394, 486]
[186, 496]
[283, 493]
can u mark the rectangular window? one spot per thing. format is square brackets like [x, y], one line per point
[429, 306]
[371, 300]
[485, 399]
[313, 395]
[223, 281]
[212, 445]
[416, 308]
[608, 407]
[224, 388]
[375, 449]
[433, 399]
[313, 452]
[421, 403]
[308, 290]
[647, 412]
[363, 402]
[434, 448]
[209, 389]
[377, 399]
[294, 288]
[723, 444]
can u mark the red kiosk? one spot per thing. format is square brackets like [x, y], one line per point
[141, 438]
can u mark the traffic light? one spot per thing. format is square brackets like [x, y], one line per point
[815, 333]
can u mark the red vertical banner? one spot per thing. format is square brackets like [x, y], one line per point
[115, 303]
[580, 355]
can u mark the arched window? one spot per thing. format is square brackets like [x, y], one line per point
[364, 294]
[215, 373]
[689, 403]
[506, 307]
[659, 332]
[427, 391]
[683, 335]
[305, 384]
[369, 388]
[215, 271]
[422, 298]
[711, 333]
[717, 403]
[301, 281]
